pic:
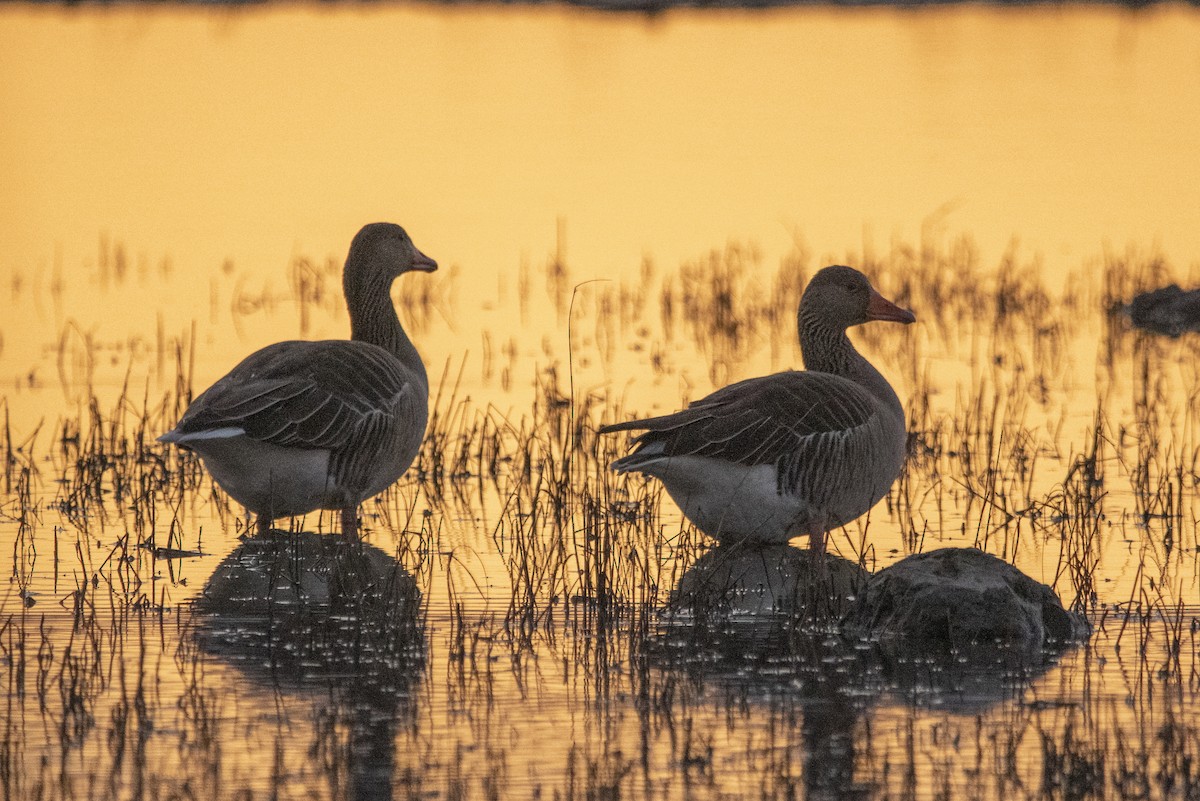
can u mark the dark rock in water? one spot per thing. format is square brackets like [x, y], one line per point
[1169, 310]
[960, 598]
[755, 583]
[955, 629]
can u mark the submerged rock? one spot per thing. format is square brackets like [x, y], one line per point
[962, 598]
[1169, 310]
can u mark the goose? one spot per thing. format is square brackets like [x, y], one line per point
[299, 425]
[796, 453]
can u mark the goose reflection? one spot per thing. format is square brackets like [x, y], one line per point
[759, 624]
[302, 612]
[764, 628]
[762, 586]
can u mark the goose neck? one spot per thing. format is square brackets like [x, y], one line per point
[826, 348]
[373, 319]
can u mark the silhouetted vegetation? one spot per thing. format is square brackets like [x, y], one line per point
[533, 639]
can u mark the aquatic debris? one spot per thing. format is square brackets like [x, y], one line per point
[170, 553]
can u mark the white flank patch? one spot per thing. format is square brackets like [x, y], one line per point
[215, 433]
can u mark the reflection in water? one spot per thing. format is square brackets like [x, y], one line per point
[764, 585]
[745, 622]
[496, 124]
[966, 679]
[302, 611]
[760, 625]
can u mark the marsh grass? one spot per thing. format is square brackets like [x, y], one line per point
[1039, 431]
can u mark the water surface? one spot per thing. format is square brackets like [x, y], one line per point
[180, 187]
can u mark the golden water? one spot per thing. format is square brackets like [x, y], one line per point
[179, 178]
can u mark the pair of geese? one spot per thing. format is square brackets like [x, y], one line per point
[300, 426]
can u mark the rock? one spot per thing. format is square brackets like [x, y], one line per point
[958, 598]
[1169, 310]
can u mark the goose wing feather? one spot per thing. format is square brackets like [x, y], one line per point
[306, 395]
[769, 420]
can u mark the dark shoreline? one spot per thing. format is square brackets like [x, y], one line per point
[635, 6]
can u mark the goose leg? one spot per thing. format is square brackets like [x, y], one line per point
[816, 552]
[350, 523]
[816, 543]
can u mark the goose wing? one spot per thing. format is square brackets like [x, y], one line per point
[304, 395]
[782, 419]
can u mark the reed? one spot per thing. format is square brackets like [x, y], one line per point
[540, 659]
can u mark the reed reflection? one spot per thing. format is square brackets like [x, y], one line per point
[303, 612]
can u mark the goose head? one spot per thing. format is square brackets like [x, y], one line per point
[841, 297]
[384, 250]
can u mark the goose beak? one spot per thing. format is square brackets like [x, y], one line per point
[422, 262]
[880, 308]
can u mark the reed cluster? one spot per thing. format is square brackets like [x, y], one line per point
[1042, 430]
